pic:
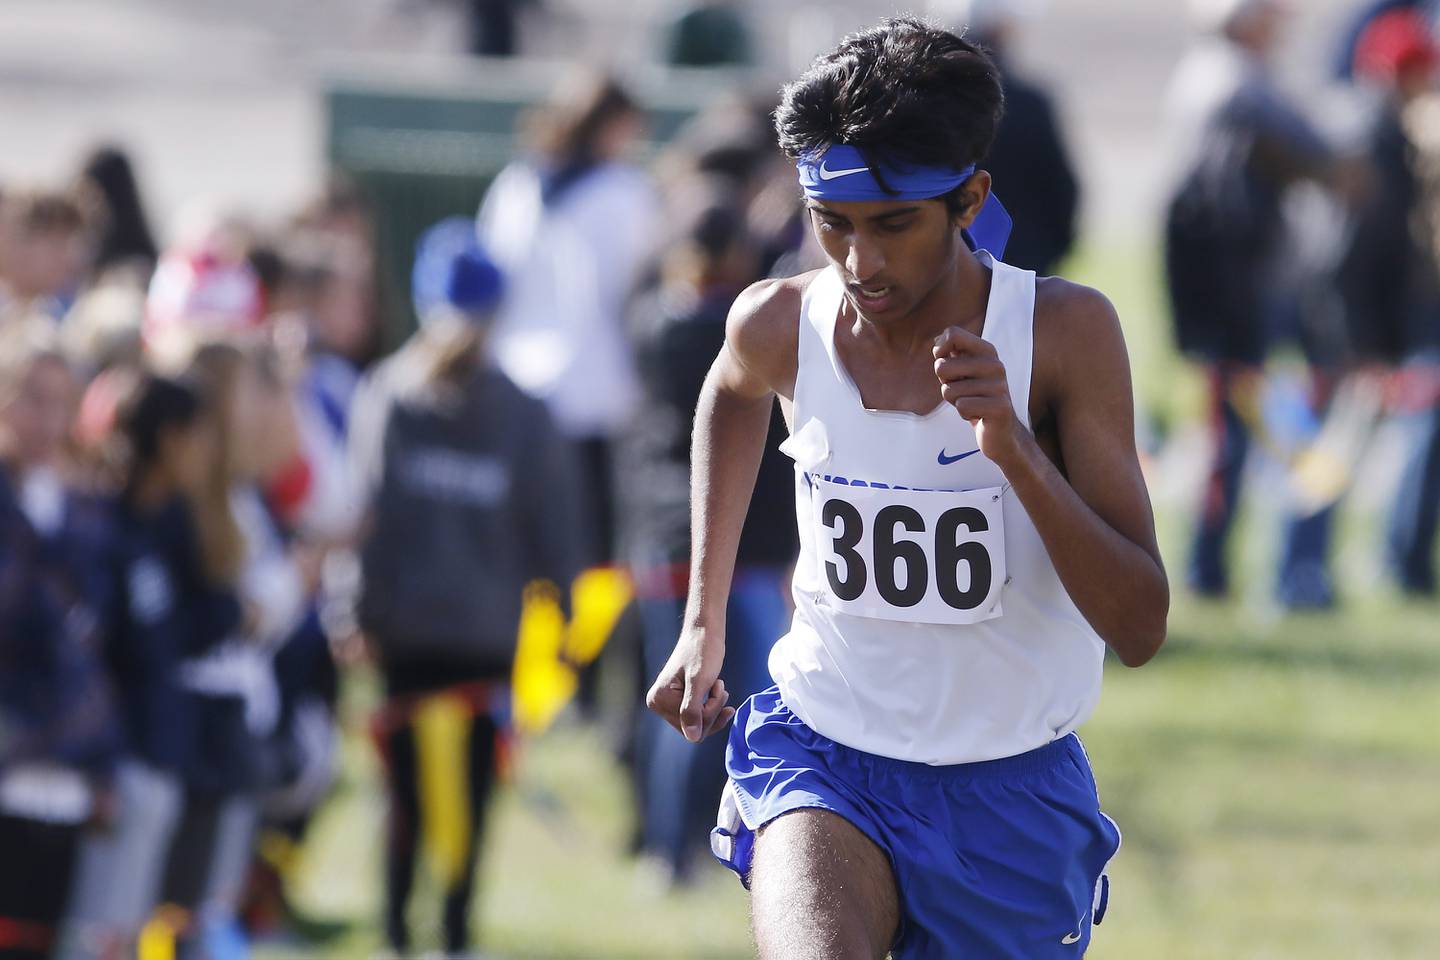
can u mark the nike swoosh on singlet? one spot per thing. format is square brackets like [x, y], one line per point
[946, 461]
[832, 174]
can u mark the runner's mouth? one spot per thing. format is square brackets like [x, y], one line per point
[873, 297]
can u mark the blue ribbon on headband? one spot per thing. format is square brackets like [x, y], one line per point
[841, 173]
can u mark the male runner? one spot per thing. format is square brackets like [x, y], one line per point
[974, 530]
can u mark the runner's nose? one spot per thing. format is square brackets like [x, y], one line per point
[863, 260]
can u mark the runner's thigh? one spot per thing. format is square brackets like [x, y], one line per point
[820, 888]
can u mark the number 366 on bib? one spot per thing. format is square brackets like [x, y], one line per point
[923, 556]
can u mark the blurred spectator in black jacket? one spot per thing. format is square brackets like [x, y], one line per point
[1388, 279]
[679, 328]
[1387, 276]
[457, 461]
[1029, 160]
[1241, 144]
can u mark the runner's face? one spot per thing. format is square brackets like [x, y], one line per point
[890, 253]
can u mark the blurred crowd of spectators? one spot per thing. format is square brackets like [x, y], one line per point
[173, 478]
[214, 487]
[1312, 238]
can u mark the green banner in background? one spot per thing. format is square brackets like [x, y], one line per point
[425, 143]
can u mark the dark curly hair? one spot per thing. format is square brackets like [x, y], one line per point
[903, 92]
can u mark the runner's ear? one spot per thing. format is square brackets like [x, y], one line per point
[965, 201]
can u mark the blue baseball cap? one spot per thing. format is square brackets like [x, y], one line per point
[453, 271]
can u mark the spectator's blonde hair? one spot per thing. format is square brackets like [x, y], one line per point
[215, 368]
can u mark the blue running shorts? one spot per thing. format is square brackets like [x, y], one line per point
[999, 860]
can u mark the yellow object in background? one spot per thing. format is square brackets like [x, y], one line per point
[442, 753]
[157, 937]
[543, 681]
[549, 652]
[598, 598]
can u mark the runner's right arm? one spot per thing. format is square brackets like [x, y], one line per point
[731, 422]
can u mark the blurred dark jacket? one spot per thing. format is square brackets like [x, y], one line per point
[473, 496]
[1223, 234]
[1387, 273]
[55, 703]
[677, 338]
[163, 612]
[1033, 177]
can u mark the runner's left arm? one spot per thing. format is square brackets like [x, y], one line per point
[1094, 517]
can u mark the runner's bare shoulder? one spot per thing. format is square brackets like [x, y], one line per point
[1077, 337]
[763, 330]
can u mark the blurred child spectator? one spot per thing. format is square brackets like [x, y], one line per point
[325, 318]
[679, 329]
[573, 225]
[57, 731]
[319, 318]
[125, 250]
[204, 288]
[165, 610]
[460, 465]
[321, 312]
[45, 250]
[232, 687]
[343, 216]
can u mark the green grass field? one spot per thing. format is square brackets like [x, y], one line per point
[1276, 784]
[1277, 780]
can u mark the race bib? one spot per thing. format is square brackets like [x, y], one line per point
[920, 556]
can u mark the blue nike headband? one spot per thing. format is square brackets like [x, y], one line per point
[841, 173]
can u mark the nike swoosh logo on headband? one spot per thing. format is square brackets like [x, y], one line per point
[832, 174]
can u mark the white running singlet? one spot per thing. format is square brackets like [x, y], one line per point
[929, 624]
